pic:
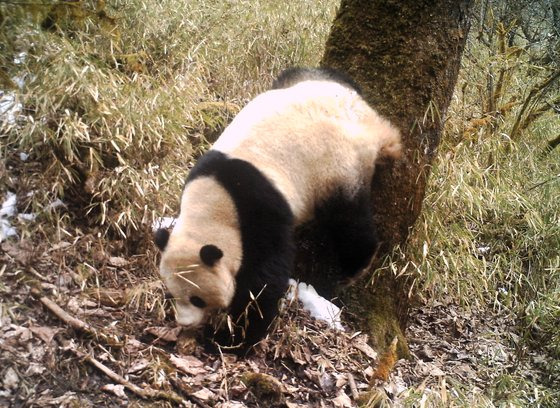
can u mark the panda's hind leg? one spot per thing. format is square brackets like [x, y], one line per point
[348, 220]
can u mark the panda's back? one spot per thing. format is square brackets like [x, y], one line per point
[310, 139]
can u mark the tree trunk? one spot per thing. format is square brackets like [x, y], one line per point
[405, 55]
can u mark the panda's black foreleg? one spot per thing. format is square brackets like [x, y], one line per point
[248, 324]
[254, 307]
[349, 224]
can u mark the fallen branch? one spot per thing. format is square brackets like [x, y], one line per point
[145, 393]
[114, 341]
[79, 324]
[353, 387]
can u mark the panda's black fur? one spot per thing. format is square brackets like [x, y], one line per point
[292, 76]
[264, 214]
[266, 224]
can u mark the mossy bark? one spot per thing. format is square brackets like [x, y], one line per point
[405, 55]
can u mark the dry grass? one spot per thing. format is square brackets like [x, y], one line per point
[119, 99]
[490, 230]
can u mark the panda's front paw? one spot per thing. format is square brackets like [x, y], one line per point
[224, 341]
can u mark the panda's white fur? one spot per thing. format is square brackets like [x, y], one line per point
[310, 139]
[300, 145]
[181, 268]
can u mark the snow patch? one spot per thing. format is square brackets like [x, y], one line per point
[19, 81]
[55, 204]
[27, 217]
[9, 205]
[20, 58]
[163, 222]
[9, 108]
[319, 307]
[8, 210]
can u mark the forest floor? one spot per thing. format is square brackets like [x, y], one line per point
[65, 342]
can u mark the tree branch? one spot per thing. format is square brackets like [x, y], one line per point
[534, 92]
[114, 341]
[79, 324]
[145, 393]
[552, 144]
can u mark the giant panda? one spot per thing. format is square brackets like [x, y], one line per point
[306, 149]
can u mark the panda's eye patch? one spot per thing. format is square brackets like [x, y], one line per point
[198, 302]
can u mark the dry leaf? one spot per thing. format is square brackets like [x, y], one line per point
[44, 333]
[342, 400]
[108, 297]
[188, 364]
[164, 333]
[117, 389]
[35, 368]
[360, 344]
[436, 372]
[326, 382]
[60, 245]
[204, 394]
[11, 379]
[23, 334]
[138, 365]
[117, 261]
[233, 404]
[368, 372]
[465, 371]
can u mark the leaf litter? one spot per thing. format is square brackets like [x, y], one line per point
[61, 345]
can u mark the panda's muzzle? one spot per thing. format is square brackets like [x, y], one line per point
[189, 315]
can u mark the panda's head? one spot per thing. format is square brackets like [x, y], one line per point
[196, 276]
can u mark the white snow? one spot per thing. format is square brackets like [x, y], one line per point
[27, 216]
[8, 210]
[19, 81]
[9, 205]
[6, 229]
[163, 222]
[20, 58]
[9, 108]
[319, 307]
[55, 204]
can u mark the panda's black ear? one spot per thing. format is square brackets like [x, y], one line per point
[160, 238]
[210, 254]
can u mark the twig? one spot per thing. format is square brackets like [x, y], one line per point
[145, 393]
[181, 386]
[542, 183]
[353, 388]
[115, 342]
[37, 274]
[79, 324]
